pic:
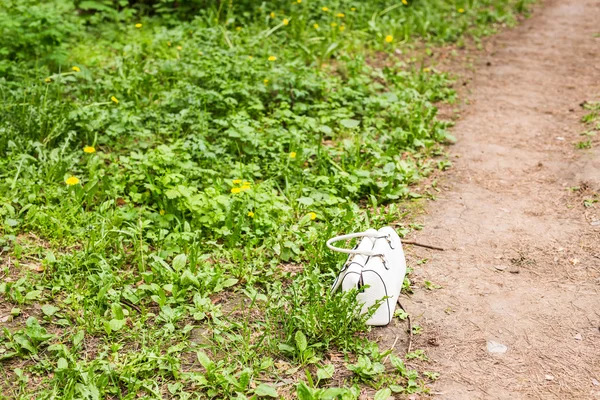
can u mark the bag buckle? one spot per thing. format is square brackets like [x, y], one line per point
[382, 256]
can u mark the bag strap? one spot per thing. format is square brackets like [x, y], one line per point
[376, 235]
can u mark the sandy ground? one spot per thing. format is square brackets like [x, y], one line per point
[522, 265]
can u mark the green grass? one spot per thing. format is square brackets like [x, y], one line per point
[182, 255]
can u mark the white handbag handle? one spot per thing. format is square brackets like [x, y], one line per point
[352, 236]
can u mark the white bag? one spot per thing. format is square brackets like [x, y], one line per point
[378, 263]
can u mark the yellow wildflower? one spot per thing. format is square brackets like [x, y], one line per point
[48, 80]
[245, 187]
[405, 2]
[293, 154]
[237, 181]
[313, 215]
[200, 53]
[286, 21]
[235, 190]
[316, 26]
[426, 69]
[333, 24]
[272, 58]
[76, 68]
[340, 15]
[114, 100]
[89, 149]
[461, 10]
[246, 183]
[250, 57]
[239, 28]
[342, 28]
[72, 180]
[250, 214]
[138, 25]
[272, 14]
[169, 44]
[299, 1]
[354, 8]
[162, 212]
[325, 9]
[266, 81]
[179, 48]
[389, 39]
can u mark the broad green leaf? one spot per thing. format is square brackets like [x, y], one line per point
[326, 372]
[179, 262]
[116, 324]
[303, 392]
[49, 309]
[62, 363]
[300, 339]
[265, 390]
[382, 394]
[33, 295]
[188, 279]
[349, 123]
[204, 360]
[78, 338]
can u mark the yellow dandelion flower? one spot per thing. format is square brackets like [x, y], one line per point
[354, 8]
[179, 48]
[250, 214]
[293, 154]
[333, 24]
[316, 26]
[245, 187]
[239, 28]
[325, 9]
[266, 81]
[114, 100]
[272, 15]
[72, 180]
[272, 58]
[313, 215]
[340, 15]
[237, 181]
[342, 28]
[138, 25]
[235, 190]
[299, 1]
[48, 80]
[76, 68]
[389, 39]
[89, 149]
[286, 21]
[162, 212]
[461, 10]
[405, 2]
[246, 183]
[426, 69]
[250, 57]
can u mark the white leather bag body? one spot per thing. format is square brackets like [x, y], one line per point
[377, 266]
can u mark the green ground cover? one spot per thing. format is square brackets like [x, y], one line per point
[170, 172]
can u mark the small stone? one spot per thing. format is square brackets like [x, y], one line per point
[595, 223]
[549, 377]
[500, 267]
[595, 382]
[496, 348]
[560, 138]
[578, 337]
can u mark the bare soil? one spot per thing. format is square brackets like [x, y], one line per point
[522, 259]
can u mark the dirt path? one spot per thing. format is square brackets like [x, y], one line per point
[523, 262]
